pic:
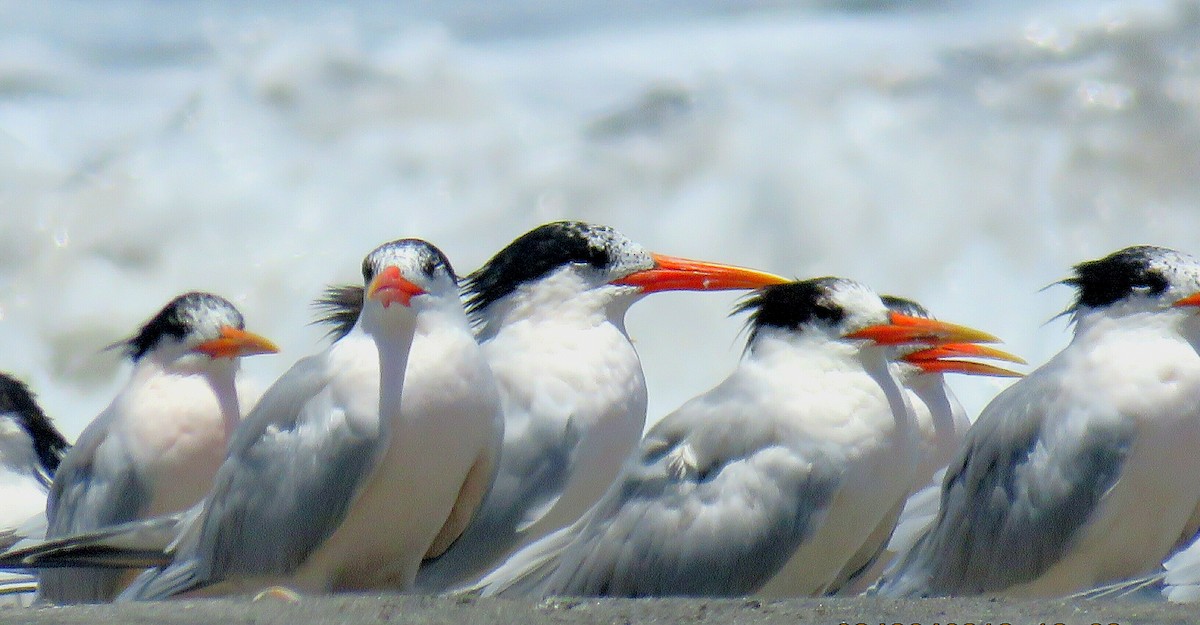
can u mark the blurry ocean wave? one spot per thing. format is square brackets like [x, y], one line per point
[965, 154]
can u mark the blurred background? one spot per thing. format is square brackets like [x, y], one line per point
[965, 154]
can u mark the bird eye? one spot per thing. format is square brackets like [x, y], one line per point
[368, 271]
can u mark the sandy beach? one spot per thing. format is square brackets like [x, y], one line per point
[429, 610]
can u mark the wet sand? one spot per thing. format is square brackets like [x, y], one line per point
[428, 610]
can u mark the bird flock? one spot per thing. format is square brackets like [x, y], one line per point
[486, 436]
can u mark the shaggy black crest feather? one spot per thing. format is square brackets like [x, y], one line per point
[533, 255]
[791, 305]
[48, 442]
[173, 320]
[1116, 276]
[340, 307]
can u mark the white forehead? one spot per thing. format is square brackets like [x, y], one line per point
[207, 315]
[862, 305]
[625, 256]
[1181, 270]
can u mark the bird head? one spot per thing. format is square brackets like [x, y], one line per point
[583, 257]
[198, 327]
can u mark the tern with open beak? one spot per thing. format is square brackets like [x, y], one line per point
[942, 423]
[768, 483]
[157, 446]
[1085, 471]
[550, 308]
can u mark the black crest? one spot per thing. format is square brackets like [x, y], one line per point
[905, 306]
[48, 443]
[340, 307]
[176, 319]
[535, 254]
[791, 305]
[1117, 276]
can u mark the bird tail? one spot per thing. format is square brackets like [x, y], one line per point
[17, 584]
[137, 544]
[525, 573]
[1146, 587]
[163, 583]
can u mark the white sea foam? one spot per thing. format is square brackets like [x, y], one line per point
[964, 154]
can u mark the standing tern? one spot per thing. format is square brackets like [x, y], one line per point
[768, 483]
[942, 423]
[329, 485]
[550, 308]
[157, 446]
[448, 387]
[1085, 471]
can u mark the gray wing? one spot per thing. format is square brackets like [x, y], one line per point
[296, 447]
[96, 485]
[530, 477]
[683, 521]
[866, 563]
[1032, 470]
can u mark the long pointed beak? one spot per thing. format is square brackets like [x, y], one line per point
[906, 329]
[235, 343]
[681, 274]
[1191, 300]
[941, 359]
[389, 287]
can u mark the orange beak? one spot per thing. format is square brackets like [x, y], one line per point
[906, 329]
[940, 359]
[390, 287]
[680, 274]
[1191, 300]
[235, 343]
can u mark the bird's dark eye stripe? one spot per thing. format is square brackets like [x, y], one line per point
[368, 271]
[1108, 280]
[792, 305]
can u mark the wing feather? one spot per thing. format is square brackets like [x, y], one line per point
[1018, 493]
[683, 520]
[96, 485]
[300, 444]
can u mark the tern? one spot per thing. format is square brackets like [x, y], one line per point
[328, 486]
[942, 423]
[550, 311]
[157, 446]
[31, 449]
[1085, 471]
[768, 483]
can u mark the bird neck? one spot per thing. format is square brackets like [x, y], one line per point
[876, 360]
[1106, 324]
[565, 297]
[945, 411]
[219, 373]
[393, 338]
[817, 351]
[449, 316]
